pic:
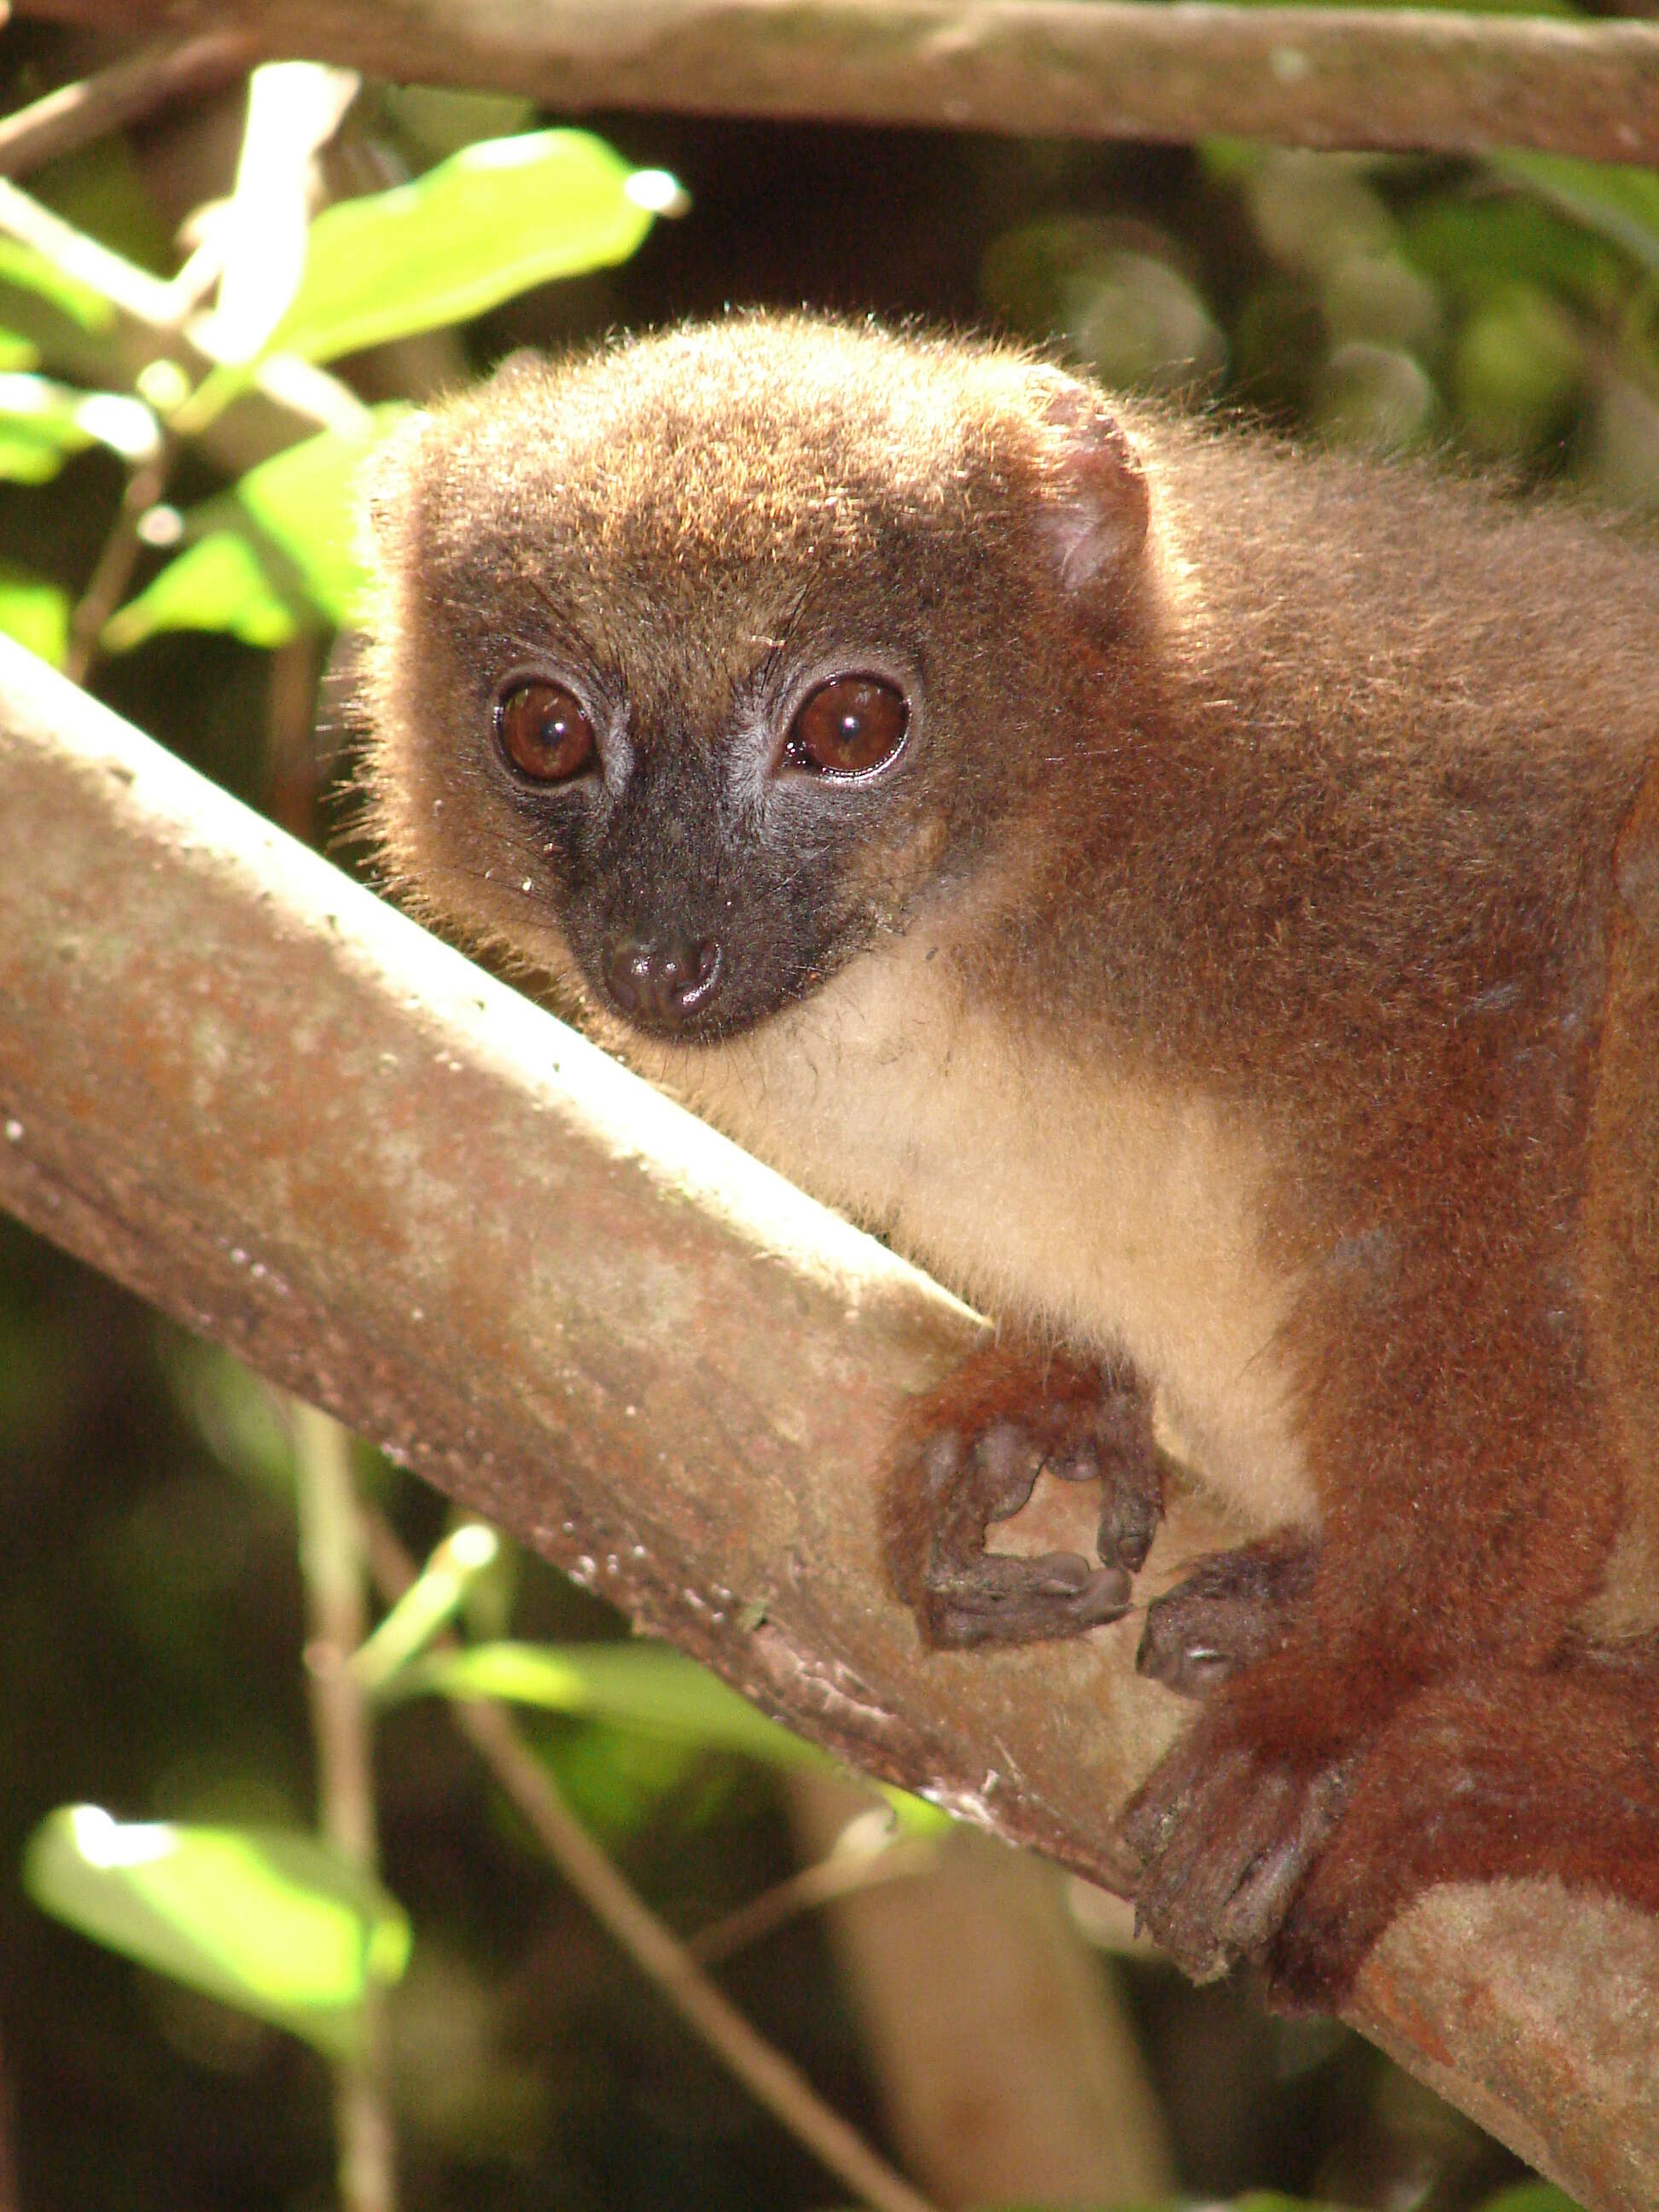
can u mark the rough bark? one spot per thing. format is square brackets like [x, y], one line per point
[1382, 78]
[234, 1080]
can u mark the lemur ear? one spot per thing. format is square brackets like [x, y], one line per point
[1096, 516]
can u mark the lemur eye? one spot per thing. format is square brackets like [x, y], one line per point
[543, 731]
[847, 726]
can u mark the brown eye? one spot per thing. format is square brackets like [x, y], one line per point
[849, 725]
[544, 731]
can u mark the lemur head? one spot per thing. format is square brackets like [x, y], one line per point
[697, 664]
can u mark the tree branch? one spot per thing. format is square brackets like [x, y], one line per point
[1389, 79]
[240, 1084]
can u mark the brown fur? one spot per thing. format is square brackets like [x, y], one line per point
[1251, 970]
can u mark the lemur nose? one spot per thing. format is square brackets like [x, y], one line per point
[662, 982]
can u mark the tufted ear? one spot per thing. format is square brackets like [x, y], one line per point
[1096, 514]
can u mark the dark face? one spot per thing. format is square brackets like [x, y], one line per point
[711, 780]
[701, 665]
[702, 885]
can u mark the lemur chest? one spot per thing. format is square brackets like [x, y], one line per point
[1121, 1215]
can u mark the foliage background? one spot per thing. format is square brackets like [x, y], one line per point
[1505, 314]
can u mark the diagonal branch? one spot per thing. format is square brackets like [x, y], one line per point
[234, 1080]
[1386, 78]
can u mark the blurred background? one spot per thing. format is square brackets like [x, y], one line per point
[1501, 315]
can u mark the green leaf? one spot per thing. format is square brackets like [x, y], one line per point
[32, 271]
[645, 1686]
[1516, 371]
[913, 1815]
[17, 352]
[305, 499]
[441, 118]
[41, 422]
[273, 1923]
[495, 218]
[1620, 205]
[217, 584]
[235, 1413]
[1531, 2197]
[1270, 2200]
[31, 455]
[1472, 248]
[34, 612]
[39, 427]
[428, 1604]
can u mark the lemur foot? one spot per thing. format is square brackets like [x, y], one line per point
[1227, 1836]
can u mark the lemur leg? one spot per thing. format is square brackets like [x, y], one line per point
[1383, 1746]
[977, 1446]
[1231, 1609]
[1485, 1775]
[1495, 1775]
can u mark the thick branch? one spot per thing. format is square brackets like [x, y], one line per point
[240, 1084]
[1391, 79]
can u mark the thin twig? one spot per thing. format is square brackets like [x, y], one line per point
[769, 2077]
[112, 571]
[330, 1558]
[840, 1874]
[76, 114]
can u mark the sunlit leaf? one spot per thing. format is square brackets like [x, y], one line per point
[495, 218]
[34, 612]
[274, 1923]
[215, 583]
[645, 1686]
[428, 1604]
[17, 352]
[305, 499]
[33, 271]
[913, 1815]
[31, 455]
[38, 427]
[42, 422]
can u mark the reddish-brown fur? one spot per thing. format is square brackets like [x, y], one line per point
[1309, 850]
